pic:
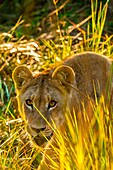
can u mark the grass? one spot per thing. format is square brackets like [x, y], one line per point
[16, 150]
[75, 152]
[94, 152]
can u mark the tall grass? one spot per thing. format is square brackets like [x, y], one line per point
[75, 152]
[87, 148]
[16, 151]
[94, 39]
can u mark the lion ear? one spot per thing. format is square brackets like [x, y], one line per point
[64, 74]
[20, 75]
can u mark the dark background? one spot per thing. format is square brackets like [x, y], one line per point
[35, 13]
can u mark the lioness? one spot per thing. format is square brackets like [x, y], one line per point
[44, 98]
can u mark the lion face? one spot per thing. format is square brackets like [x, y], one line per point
[43, 99]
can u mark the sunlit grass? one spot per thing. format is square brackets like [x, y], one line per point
[93, 38]
[16, 150]
[94, 150]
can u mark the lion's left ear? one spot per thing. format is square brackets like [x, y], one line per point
[20, 75]
[64, 74]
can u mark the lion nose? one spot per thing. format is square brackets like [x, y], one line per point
[39, 130]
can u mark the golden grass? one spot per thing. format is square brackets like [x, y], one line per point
[94, 150]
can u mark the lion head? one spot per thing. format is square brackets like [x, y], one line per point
[43, 99]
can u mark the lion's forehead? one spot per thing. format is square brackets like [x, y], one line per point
[41, 90]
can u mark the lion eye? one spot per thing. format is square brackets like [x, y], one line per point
[29, 103]
[52, 104]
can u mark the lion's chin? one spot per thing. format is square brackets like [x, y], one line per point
[42, 140]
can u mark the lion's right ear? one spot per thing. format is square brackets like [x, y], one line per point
[20, 75]
[65, 74]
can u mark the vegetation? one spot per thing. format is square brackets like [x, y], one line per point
[63, 37]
